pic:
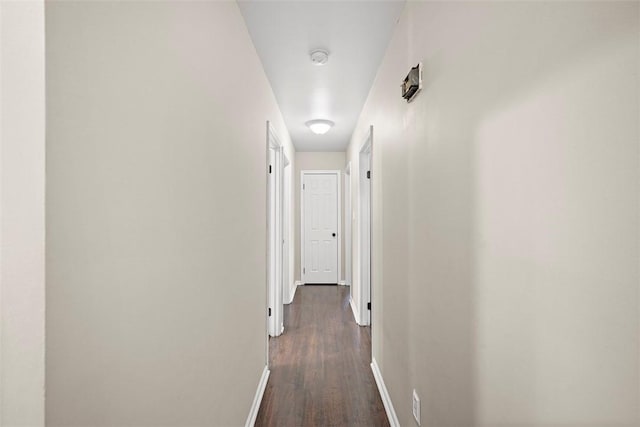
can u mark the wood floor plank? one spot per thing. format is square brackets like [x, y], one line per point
[320, 372]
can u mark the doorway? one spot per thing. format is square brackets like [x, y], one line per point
[287, 274]
[275, 243]
[365, 176]
[320, 227]
[347, 226]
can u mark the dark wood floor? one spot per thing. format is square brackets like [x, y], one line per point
[320, 372]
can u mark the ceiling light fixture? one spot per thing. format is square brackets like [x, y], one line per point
[319, 126]
[319, 56]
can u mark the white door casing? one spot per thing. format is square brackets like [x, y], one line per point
[365, 228]
[320, 226]
[348, 214]
[287, 292]
[275, 170]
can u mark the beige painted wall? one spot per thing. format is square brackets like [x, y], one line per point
[316, 161]
[506, 214]
[156, 213]
[22, 235]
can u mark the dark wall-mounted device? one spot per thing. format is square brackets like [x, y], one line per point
[412, 84]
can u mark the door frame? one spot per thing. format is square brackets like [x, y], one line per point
[274, 180]
[348, 246]
[287, 293]
[365, 210]
[303, 173]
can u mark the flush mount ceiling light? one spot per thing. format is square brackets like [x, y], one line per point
[319, 126]
[319, 56]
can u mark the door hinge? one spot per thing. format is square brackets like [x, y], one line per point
[269, 311]
[368, 306]
[269, 168]
[368, 174]
[303, 186]
[304, 270]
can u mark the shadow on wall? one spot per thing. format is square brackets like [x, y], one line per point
[512, 152]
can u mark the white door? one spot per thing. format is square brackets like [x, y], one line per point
[320, 212]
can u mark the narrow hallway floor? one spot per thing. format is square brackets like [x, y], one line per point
[320, 372]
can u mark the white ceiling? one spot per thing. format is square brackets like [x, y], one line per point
[355, 33]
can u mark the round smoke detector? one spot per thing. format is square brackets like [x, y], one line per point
[319, 56]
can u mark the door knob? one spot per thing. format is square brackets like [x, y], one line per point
[333, 234]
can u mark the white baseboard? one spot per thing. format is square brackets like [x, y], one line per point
[299, 283]
[356, 314]
[384, 394]
[293, 294]
[342, 283]
[255, 407]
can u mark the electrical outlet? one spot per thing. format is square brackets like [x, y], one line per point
[416, 406]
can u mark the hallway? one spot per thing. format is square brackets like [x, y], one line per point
[320, 373]
[178, 177]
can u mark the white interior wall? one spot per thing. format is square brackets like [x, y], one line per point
[22, 147]
[156, 213]
[321, 160]
[507, 214]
